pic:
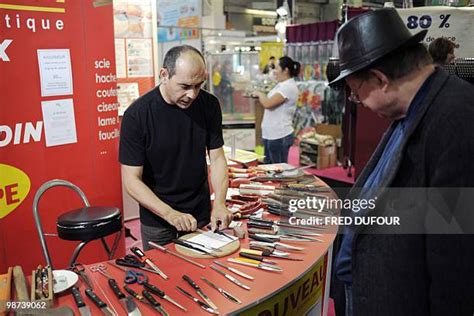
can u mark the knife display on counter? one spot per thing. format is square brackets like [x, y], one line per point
[99, 303]
[238, 272]
[154, 303]
[135, 294]
[129, 305]
[185, 244]
[153, 289]
[230, 278]
[203, 305]
[224, 293]
[256, 264]
[141, 255]
[199, 291]
[83, 308]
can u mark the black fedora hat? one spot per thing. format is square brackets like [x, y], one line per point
[370, 36]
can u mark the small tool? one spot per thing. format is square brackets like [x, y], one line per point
[154, 303]
[133, 262]
[276, 245]
[102, 270]
[135, 295]
[141, 255]
[238, 272]
[135, 277]
[203, 305]
[226, 294]
[100, 304]
[83, 308]
[166, 250]
[129, 306]
[153, 289]
[218, 231]
[252, 256]
[199, 291]
[231, 278]
[256, 264]
[187, 245]
[81, 271]
[269, 252]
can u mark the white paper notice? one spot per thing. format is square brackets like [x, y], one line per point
[126, 94]
[120, 58]
[139, 58]
[59, 122]
[211, 240]
[55, 72]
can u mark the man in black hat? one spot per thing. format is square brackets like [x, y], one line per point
[430, 144]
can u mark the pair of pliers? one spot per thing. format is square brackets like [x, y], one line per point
[135, 277]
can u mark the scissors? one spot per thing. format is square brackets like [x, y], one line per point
[81, 271]
[101, 269]
[130, 261]
[135, 277]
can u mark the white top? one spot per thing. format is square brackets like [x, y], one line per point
[277, 122]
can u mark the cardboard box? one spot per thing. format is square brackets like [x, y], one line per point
[336, 132]
[324, 156]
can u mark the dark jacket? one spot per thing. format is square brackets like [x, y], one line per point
[422, 274]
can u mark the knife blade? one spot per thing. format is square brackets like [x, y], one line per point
[203, 305]
[153, 289]
[238, 272]
[230, 278]
[226, 294]
[185, 244]
[255, 264]
[199, 291]
[99, 303]
[129, 305]
[141, 255]
[83, 308]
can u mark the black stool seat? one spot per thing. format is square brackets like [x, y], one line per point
[87, 223]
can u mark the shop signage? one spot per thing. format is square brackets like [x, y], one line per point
[14, 188]
[178, 19]
[302, 297]
[454, 23]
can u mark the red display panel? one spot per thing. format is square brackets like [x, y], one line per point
[58, 120]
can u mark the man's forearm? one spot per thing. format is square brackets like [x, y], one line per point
[219, 179]
[145, 197]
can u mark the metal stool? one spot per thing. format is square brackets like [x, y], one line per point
[84, 224]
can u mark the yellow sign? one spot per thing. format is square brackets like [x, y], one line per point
[296, 299]
[14, 187]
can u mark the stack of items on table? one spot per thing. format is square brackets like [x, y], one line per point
[317, 149]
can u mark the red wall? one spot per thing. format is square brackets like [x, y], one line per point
[86, 29]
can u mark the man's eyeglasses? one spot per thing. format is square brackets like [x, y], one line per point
[354, 96]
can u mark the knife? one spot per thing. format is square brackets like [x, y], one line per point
[203, 305]
[153, 289]
[269, 252]
[226, 294]
[231, 278]
[255, 257]
[129, 305]
[238, 272]
[185, 244]
[83, 308]
[255, 264]
[97, 301]
[199, 291]
[141, 255]
[154, 303]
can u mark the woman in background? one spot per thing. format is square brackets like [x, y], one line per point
[280, 106]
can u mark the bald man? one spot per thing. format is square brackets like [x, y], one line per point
[163, 142]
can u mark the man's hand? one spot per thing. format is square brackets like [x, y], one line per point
[221, 214]
[181, 221]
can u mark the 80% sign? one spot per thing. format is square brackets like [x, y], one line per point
[425, 21]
